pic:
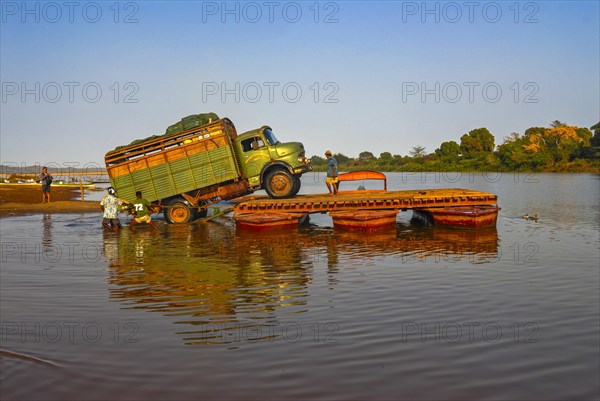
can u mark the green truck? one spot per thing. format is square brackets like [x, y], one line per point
[200, 161]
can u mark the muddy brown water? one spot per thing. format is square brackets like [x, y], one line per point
[206, 310]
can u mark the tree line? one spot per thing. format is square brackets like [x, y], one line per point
[559, 147]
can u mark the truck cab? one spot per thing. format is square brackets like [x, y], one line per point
[270, 164]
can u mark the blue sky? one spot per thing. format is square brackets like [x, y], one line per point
[346, 76]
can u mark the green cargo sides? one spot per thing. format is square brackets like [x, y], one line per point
[164, 168]
[179, 176]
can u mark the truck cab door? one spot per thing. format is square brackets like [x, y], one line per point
[254, 155]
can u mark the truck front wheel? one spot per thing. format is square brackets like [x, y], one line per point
[279, 184]
[178, 211]
[297, 185]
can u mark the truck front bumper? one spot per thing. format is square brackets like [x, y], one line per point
[301, 170]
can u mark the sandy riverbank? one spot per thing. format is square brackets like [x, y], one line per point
[19, 200]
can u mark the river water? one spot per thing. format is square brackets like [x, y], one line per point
[205, 310]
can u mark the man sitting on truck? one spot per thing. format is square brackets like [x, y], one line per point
[142, 210]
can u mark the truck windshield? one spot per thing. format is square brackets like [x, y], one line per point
[270, 137]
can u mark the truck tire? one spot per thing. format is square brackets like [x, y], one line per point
[279, 184]
[178, 211]
[297, 185]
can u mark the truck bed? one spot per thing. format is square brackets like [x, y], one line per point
[175, 164]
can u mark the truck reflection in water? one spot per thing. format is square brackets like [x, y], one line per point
[226, 285]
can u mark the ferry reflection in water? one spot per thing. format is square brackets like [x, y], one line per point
[209, 275]
[220, 281]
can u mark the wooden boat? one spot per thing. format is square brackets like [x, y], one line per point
[364, 219]
[267, 221]
[461, 216]
[65, 184]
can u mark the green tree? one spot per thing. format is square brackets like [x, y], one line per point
[366, 157]
[385, 160]
[533, 131]
[553, 144]
[448, 150]
[386, 156]
[477, 140]
[591, 149]
[585, 135]
[511, 152]
[341, 158]
[469, 146]
[317, 161]
[595, 141]
[417, 152]
[537, 154]
[557, 123]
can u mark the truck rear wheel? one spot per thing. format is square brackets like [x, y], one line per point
[178, 211]
[279, 184]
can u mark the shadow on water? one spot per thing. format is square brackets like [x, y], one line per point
[220, 284]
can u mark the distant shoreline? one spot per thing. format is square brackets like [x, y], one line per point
[347, 168]
[18, 200]
[11, 209]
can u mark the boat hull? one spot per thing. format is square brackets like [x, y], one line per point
[461, 216]
[268, 221]
[364, 219]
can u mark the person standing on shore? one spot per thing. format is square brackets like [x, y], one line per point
[110, 209]
[332, 173]
[46, 180]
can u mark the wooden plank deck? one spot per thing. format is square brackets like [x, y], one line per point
[392, 200]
